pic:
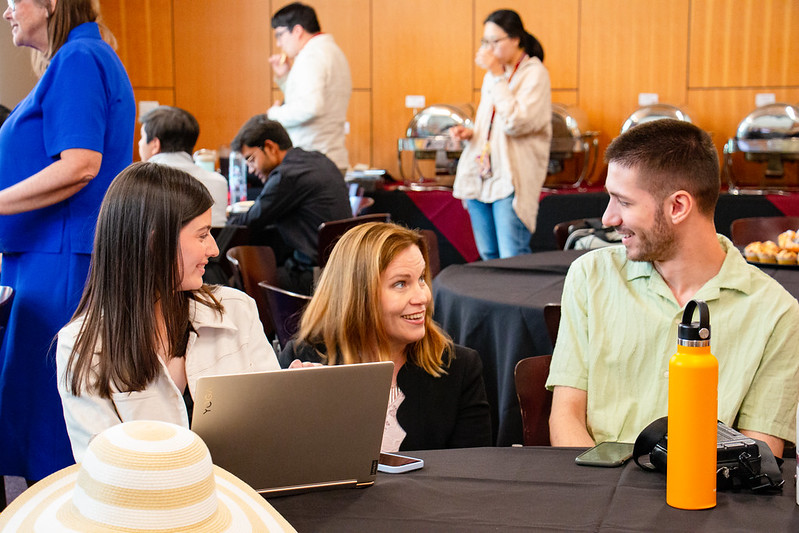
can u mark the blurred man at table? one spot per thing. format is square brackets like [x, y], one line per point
[301, 190]
[168, 136]
[314, 76]
[621, 304]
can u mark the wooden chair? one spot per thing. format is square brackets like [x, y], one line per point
[331, 232]
[286, 309]
[535, 401]
[360, 204]
[6, 299]
[253, 265]
[552, 318]
[218, 269]
[433, 256]
[746, 230]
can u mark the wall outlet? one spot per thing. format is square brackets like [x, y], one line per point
[762, 99]
[647, 99]
[414, 101]
[145, 106]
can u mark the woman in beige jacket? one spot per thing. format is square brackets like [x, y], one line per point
[504, 164]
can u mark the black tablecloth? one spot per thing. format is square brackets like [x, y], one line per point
[541, 489]
[497, 308]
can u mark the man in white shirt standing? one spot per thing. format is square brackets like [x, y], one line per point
[314, 76]
[168, 136]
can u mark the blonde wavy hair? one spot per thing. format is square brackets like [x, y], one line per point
[345, 312]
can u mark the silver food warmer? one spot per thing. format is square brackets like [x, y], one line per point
[654, 112]
[574, 151]
[427, 139]
[763, 157]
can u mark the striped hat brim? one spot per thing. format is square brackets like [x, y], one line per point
[47, 507]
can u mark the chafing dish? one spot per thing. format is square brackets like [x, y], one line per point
[763, 157]
[654, 112]
[427, 138]
[574, 150]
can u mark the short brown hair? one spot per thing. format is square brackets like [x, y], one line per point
[671, 155]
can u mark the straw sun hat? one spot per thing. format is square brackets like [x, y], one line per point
[142, 476]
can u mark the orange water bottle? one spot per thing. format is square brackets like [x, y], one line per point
[693, 414]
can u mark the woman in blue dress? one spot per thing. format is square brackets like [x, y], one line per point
[59, 150]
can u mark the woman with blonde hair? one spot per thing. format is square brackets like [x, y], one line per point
[373, 303]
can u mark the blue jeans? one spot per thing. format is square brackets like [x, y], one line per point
[498, 232]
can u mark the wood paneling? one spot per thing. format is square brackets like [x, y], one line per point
[221, 71]
[421, 48]
[554, 24]
[359, 139]
[627, 48]
[143, 29]
[744, 43]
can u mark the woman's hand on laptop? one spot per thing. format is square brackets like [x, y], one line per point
[300, 364]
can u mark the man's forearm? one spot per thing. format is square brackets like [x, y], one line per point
[568, 432]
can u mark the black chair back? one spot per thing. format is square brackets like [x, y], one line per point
[331, 232]
[286, 309]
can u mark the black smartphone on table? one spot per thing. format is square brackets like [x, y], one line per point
[607, 454]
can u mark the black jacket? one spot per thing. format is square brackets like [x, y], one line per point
[305, 190]
[450, 411]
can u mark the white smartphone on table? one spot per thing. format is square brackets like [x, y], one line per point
[392, 463]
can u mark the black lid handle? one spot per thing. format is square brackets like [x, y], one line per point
[695, 331]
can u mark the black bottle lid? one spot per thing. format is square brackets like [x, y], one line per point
[694, 333]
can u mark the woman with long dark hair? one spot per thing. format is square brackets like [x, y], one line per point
[147, 327]
[59, 150]
[504, 165]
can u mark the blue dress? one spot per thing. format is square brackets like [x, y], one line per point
[83, 100]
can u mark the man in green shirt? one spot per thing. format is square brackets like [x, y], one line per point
[621, 305]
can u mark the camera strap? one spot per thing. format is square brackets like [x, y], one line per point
[650, 453]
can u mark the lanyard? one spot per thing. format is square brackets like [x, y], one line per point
[494, 108]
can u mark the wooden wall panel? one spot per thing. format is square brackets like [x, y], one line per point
[627, 48]
[554, 24]
[143, 29]
[744, 43]
[221, 72]
[359, 116]
[420, 48]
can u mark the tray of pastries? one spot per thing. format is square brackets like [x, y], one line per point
[782, 253]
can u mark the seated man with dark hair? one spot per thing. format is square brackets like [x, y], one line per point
[168, 136]
[301, 190]
[621, 304]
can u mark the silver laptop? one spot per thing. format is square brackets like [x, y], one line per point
[289, 431]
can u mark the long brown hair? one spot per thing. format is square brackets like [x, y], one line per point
[136, 262]
[64, 17]
[345, 313]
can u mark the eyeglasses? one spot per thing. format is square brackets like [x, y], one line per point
[12, 5]
[250, 159]
[492, 44]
